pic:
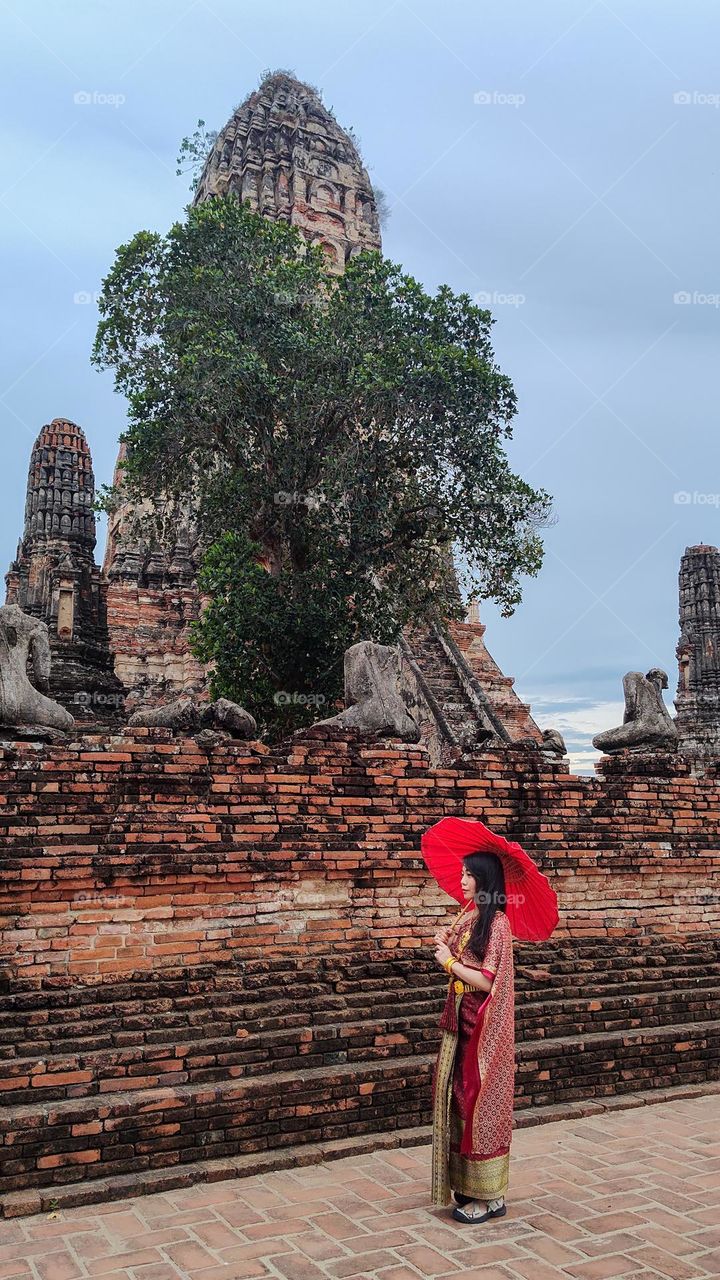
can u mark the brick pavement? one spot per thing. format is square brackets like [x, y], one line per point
[628, 1193]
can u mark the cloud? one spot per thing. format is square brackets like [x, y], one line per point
[582, 763]
[578, 719]
[587, 720]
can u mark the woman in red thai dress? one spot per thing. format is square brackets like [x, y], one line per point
[473, 1081]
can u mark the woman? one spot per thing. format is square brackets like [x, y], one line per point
[473, 1082]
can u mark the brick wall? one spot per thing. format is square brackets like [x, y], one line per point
[211, 960]
[140, 851]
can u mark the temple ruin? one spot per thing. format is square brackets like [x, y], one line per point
[216, 955]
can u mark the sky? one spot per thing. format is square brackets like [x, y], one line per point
[559, 161]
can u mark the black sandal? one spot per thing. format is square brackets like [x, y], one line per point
[460, 1214]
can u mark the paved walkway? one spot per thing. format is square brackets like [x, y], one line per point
[629, 1193]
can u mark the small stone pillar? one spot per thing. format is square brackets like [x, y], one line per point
[698, 652]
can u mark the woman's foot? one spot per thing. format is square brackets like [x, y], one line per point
[460, 1199]
[479, 1210]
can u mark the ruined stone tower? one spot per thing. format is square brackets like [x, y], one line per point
[54, 576]
[284, 153]
[698, 651]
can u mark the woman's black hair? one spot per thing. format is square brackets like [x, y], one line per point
[487, 872]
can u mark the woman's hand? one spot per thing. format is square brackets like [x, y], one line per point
[442, 934]
[443, 953]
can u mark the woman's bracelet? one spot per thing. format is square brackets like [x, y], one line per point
[448, 964]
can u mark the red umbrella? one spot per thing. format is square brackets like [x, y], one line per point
[531, 905]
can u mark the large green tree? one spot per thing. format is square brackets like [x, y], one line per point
[337, 435]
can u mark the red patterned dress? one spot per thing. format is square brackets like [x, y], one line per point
[474, 1078]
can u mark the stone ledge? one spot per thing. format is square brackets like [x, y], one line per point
[648, 764]
[24, 1203]
[618, 1102]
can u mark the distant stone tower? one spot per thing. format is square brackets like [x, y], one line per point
[286, 154]
[54, 576]
[698, 651]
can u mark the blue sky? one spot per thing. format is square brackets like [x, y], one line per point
[560, 158]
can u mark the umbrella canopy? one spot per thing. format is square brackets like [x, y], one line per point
[531, 905]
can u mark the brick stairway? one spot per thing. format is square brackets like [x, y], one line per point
[184, 1075]
[443, 680]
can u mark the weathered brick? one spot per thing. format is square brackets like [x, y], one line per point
[235, 952]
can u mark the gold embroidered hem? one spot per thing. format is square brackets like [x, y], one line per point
[441, 1188]
[482, 1178]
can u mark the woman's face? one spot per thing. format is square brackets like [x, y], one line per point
[468, 884]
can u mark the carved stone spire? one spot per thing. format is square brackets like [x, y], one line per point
[60, 490]
[54, 576]
[284, 153]
[698, 651]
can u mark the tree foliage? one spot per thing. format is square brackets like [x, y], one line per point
[194, 151]
[337, 436]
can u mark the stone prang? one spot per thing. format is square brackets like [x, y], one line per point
[54, 576]
[285, 154]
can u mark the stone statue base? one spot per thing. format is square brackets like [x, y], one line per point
[650, 763]
[31, 733]
[187, 716]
